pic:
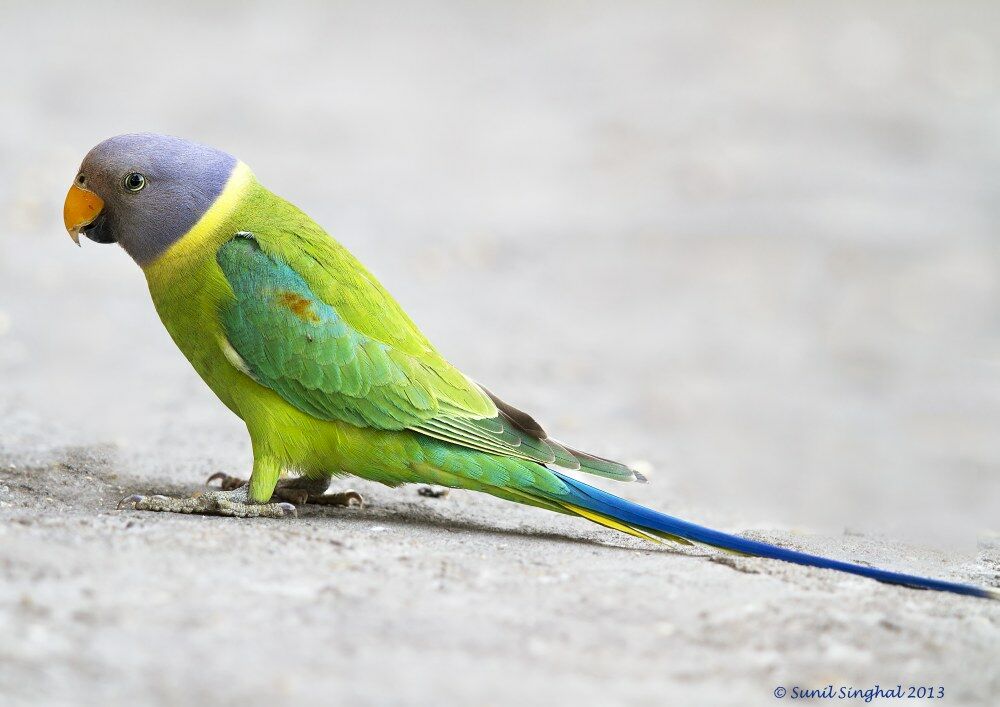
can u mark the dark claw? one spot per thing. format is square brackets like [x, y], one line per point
[352, 498]
[129, 501]
[226, 482]
[344, 498]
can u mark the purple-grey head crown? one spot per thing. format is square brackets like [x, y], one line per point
[154, 188]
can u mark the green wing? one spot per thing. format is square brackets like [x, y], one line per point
[322, 333]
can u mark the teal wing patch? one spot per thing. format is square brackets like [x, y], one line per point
[299, 346]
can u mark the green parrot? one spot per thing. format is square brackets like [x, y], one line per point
[328, 372]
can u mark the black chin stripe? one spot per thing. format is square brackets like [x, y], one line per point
[98, 230]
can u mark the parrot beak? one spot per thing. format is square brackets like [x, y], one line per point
[81, 209]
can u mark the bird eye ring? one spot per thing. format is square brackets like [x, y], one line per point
[134, 182]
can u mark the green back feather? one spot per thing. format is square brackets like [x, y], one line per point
[311, 323]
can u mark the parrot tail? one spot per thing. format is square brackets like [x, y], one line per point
[617, 513]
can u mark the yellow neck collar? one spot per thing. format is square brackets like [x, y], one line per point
[206, 230]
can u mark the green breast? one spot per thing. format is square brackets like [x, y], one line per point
[189, 290]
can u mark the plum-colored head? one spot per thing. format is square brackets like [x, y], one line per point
[144, 191]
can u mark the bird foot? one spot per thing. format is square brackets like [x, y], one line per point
[298, 491]
[234, 503]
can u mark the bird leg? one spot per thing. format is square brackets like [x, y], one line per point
[233, 502]
[297, 491]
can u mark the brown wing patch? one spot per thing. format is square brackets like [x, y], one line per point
[298, 305]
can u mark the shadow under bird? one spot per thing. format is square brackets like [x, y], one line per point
[329, 374]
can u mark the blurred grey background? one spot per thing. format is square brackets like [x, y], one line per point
[753, 246]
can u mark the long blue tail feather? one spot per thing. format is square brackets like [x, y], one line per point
[593, 499]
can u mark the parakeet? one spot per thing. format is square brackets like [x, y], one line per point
[328, 372]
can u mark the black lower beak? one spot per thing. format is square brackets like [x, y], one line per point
[98, 230]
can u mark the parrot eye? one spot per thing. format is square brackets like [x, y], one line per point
[134, 182]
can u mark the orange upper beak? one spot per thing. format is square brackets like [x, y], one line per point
[81, 208]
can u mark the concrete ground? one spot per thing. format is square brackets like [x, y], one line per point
[751, 247]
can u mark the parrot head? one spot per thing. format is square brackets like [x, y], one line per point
[144, 191]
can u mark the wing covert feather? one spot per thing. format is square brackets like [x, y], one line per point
[314, 326]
